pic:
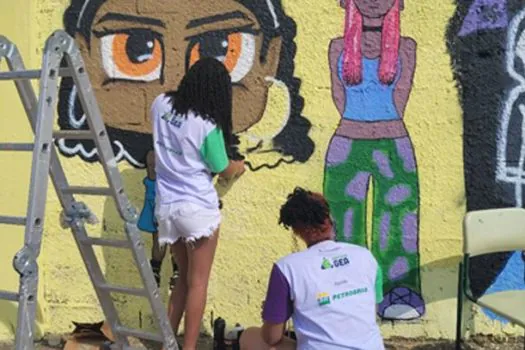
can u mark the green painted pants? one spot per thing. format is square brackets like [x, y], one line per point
[390, 163]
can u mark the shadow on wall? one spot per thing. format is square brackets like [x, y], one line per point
[10, 316]
[120, 266]
[483, 39]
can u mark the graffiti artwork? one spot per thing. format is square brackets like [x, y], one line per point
[135, 50]
[372, 73]
[488, 60]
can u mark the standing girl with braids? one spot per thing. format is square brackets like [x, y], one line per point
[372, 73]
[192, 130]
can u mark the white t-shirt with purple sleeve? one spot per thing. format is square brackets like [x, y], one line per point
[330, 290]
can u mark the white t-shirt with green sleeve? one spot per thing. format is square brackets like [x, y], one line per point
[188, 149]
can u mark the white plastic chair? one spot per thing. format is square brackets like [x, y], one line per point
[487, 232]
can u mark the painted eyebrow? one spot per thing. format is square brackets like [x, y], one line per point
[216, 18]
[111, 16]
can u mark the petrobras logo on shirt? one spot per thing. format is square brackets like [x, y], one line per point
[349, 293]
[172, 119]
[335, 262]
[323, 299]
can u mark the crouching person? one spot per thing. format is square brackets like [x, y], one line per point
[330, 290]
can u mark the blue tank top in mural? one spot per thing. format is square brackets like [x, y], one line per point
[371, 100]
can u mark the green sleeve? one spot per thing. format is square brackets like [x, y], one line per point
[213, 151]
[379, 285]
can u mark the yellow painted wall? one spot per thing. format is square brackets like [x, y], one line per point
[251, 239]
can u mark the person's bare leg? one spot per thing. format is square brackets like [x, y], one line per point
[178, 295]
[251, 339]
[200, 260]
[157, 252]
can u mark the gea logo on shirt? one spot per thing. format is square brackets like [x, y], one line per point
[335, 262]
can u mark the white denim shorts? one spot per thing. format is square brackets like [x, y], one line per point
[187, 221]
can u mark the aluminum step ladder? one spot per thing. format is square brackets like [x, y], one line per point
[45, 160]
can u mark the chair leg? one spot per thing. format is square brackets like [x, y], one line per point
[459, 309]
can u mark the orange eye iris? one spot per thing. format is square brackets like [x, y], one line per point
[227, 49]
[136, 55]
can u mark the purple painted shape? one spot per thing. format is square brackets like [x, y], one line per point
[338, 151]
[358, 187]
[405, 151]
[485, 14]
[384, 229]
[383, 164]
[349, 224]
[399, 269]
[409, 228]
[397, 194]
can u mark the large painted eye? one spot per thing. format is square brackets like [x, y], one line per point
[135, 55]
[235, 50]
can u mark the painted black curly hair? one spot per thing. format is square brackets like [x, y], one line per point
[133, 146]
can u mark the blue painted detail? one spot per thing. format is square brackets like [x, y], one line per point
[371, 100]
[147, 221]
[512, 277]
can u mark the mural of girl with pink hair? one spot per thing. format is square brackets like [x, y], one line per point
[372, 73]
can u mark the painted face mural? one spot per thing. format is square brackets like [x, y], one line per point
[135, 50]
[372, 72]
[488, 59]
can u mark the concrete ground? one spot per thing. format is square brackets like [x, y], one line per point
[475, 343]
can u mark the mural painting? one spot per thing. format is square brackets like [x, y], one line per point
[136, 50]
[486, 41]
[372, 70]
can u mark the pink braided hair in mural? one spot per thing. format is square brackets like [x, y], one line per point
[352, 66]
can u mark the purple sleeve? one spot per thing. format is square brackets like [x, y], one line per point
[278, 307]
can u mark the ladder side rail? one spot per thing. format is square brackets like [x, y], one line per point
[127, 212]
[24, 338]
[97, 278]
[143, 265]
[96, 124]
[25, 260]
[67, 200]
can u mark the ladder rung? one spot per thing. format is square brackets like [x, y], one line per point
[138, 334]
[30, 74]
[93, 191]
[73, 134]
[4, 295]
[123, 290]
[107, 242]
[16, 146]
[13, 220]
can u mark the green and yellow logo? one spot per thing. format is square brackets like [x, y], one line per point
[337, 261]
[323, 299]
[326, 264]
